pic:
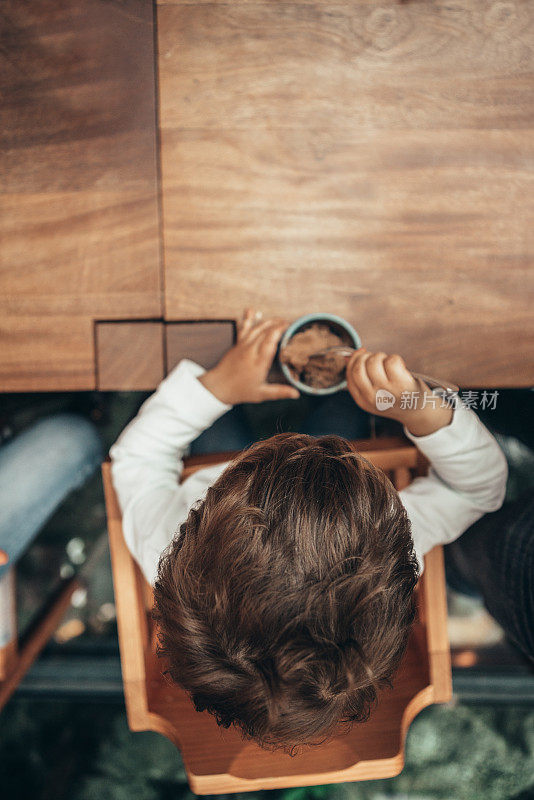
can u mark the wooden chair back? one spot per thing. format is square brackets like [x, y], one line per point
[18, 654]
[220, 761]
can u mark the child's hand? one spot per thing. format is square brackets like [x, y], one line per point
[383, 385]
[240, 376]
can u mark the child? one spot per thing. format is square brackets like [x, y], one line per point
[284, 591]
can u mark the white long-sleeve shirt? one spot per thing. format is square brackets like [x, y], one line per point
[466, 479]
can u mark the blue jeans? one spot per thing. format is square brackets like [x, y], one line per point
[335, 413]
[38, 469]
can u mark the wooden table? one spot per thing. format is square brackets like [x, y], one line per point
[371, 160]
[79, 205]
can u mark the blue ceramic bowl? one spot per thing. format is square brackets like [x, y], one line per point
[337, 325]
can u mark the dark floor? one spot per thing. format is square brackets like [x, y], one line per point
[56, 744]
[86, 752]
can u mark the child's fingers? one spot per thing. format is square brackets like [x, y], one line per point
[376, 371]
[400, 376]
[395, 368]
[269, 341]
[257, 329]
[394, 365]
[357, 377]
[244, 326]
[257, 334]
[278, 391]
[251, 319]
[355, 357]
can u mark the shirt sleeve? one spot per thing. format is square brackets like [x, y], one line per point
[466, 479]
[147, 460]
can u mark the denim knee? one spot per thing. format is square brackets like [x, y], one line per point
[38, 469]
[75, 441]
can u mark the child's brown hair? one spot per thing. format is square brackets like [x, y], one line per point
[286, 600]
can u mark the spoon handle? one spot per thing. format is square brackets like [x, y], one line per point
[433, 383]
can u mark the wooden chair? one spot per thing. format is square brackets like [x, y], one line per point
[220, 761]
[16, 657]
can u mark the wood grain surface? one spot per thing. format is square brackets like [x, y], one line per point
[203, 342]
[369, 160]
[79, 221]
[129, 355]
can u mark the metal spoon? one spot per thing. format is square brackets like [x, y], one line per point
[433, 383]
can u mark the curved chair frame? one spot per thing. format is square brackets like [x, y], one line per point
[220, 761]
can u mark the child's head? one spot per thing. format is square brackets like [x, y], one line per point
[286, 600]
